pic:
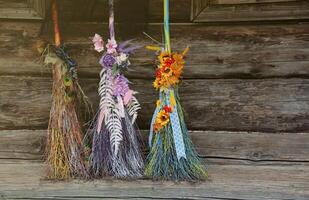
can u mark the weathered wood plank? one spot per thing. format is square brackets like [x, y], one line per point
[270, 105]
[18, 30]
[294, 10]
[211, 145]
[246, 1]
[23, 180]
[147, 11]
[22, 144]
[21, 9]
[216, 52]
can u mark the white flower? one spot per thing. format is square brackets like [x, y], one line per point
[121, 58]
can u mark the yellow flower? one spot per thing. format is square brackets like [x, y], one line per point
[158, 103]
[169, 71]
[157, 83]
[163, 56]
[166, 72]
[163, 118]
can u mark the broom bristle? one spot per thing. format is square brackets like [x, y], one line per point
[57, 160]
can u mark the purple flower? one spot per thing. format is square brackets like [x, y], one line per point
[121, 86]
[107, 60]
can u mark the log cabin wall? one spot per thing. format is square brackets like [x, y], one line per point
[245, 89]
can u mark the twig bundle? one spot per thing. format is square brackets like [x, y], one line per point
[64, 150]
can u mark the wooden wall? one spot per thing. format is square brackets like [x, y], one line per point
[245, 90]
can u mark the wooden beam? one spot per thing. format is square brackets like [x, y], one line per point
[271, 105]
[246, 1]
[147, 10]
[215, 52]
[292, 10]
[213, 146]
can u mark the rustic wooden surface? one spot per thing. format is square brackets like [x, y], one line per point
[242, 165]
[244, 11]
[230, 56]
[215, 52]
[23, 180]
[245, 92]
[271, 105]
[243, 147]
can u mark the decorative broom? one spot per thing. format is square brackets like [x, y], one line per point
[172, 155]
[115, 137]
[65, 153]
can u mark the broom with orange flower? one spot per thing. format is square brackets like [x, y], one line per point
[64, 151]
[172, 155]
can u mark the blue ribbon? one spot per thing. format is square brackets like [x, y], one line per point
[175, 123]
[177, 131]
[158, 108]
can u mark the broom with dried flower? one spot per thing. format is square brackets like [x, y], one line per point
[64, 150]
[172, 155]
[115, 137]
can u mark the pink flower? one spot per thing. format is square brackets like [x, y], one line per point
[128, 96]
[111, 46]
[98, 43]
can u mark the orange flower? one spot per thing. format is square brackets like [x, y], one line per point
[163, 57]
[178, 65]
[169, 71]
[157, 127]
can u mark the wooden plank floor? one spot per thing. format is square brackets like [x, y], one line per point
[242, 166]
[25, 180]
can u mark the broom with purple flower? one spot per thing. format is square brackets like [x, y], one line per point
[115, 147]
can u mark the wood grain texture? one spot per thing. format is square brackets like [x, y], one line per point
[22, 9]
[270, 105]
[22, 144]
[25, 180]
[213, 146]
[146, 10]
[246, 1]
[244, 12]
[215, 52]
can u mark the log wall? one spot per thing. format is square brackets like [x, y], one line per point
[245, 93]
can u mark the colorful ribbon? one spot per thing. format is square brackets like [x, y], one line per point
[166, 27]
[158, 108]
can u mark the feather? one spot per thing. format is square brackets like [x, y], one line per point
[133, 106]
[114, 127]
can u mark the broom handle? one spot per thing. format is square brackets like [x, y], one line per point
[166, 27]
[56, 24]
[111, 19]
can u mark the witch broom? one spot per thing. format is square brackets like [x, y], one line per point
[172, 155]
[115, 139]
[64, 150]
